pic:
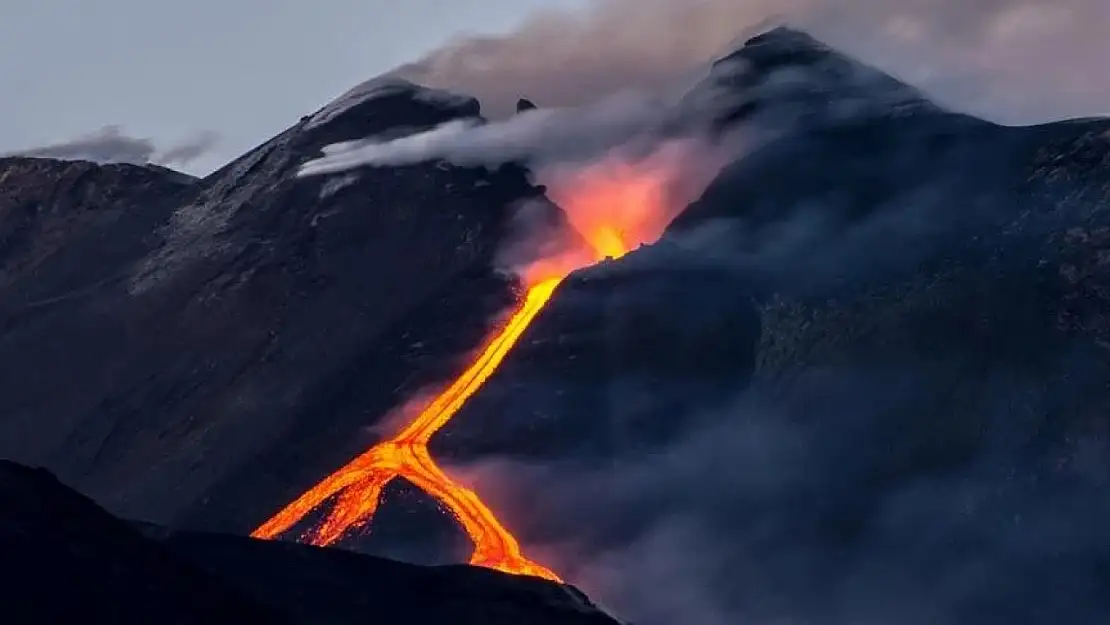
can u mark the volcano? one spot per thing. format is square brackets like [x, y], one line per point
[907, 303]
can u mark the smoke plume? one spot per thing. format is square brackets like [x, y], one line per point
[608, 78]
[541, 134]
[111, 144]
[1013, 60]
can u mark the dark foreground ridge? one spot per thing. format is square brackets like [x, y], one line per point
[68, 561]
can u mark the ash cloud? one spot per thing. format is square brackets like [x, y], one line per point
[541, 134]
[1012, 60]
[112, 144]
[611, 76]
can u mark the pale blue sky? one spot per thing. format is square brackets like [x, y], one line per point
[246, 69]
[243, 68]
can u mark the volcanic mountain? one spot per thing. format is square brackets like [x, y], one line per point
[908, 304]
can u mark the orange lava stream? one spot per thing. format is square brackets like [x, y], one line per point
[360, 483]
[611, 206]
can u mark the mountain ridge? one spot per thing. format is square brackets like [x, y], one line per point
[110, 572]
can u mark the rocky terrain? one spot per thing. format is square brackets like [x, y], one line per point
[908, 305]
[160, 333]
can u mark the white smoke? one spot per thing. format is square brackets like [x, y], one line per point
[609, 75]
[112, 144]
[544, 134]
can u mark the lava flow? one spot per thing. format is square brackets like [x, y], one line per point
[610, 208]
[406, 455]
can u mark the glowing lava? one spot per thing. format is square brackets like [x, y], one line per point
[610, 206]
[406, 455]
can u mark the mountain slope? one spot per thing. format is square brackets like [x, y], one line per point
[196, 324]
[867, 367]
[928, 398]
[49, 208]
[73, 563]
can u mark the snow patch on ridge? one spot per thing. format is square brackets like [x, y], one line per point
[381, 87]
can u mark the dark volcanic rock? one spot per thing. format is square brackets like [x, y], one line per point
[398, 106]
[67, 561]
[785, 77]
[71, 562]
[222, 343]
[524, 104]
[49, 208]
[619, 360]
[335, 587]
[933, 325]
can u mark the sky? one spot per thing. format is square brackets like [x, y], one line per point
[242, 69]
[195, 84]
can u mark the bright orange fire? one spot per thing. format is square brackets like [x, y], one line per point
[612, 207]
[406, 455]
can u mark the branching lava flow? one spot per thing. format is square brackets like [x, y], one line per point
[610, 208]
[405, 455]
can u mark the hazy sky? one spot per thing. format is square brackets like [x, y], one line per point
[243, 68]
[246, 69]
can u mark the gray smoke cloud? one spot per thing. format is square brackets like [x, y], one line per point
[111, 144]
[1015, 61]
[613, 75]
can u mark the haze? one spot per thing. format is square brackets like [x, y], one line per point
[201, 82]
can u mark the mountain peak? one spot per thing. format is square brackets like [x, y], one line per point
[422, 101]
[789, 75]
[782, 42]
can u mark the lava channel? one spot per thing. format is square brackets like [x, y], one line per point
[360, 482]
[609, 208]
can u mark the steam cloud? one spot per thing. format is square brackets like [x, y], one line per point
[546, 134]
[111, 144]
[1017, 61]
[607, 76]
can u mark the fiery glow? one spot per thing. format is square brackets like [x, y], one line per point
[406, 455]
[616, 204]
[612, 207]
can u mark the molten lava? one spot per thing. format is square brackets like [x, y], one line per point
[406, 455]
[610, 206]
